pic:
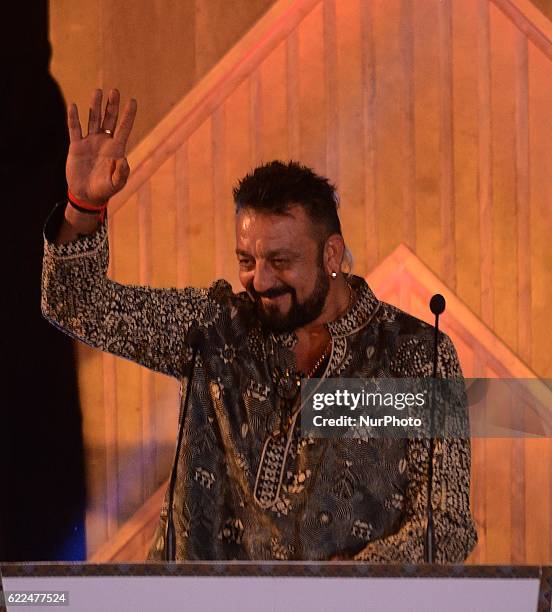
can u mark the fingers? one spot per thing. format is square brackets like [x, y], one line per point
[125, 125]
[120, 174]
[95, 112]
[73, 122]
[111, 111]
[109, 122]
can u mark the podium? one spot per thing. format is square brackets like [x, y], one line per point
[244, 586]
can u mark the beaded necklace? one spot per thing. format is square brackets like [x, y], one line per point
[319, 361]
[328, 346]
[287, 417]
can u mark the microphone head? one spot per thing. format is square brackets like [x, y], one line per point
[437, 304]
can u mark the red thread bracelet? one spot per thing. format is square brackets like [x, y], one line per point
[86, 207]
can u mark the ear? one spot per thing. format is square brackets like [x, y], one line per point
[334, 249]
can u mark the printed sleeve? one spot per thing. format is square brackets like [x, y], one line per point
[454, 529]
[144, 324]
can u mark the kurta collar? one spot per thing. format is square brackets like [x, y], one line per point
[355, 318]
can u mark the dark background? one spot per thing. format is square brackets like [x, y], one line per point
[43, 495]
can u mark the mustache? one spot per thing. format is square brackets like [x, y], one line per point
[270, 293]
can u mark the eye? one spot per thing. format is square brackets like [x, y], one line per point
[245, 262]
[279, 262]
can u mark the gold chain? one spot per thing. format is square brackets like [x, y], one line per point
[320, 359]
[329, 345]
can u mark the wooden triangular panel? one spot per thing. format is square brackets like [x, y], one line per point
[404, 281]
[504, 495]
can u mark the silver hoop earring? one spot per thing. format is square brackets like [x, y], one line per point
[334, 274]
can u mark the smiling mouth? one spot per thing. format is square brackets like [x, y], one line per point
[277, 305]
[273, 300]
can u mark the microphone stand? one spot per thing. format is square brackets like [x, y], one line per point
[437, 305]
[170, 535]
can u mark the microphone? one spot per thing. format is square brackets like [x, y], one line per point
[437, 306]
[194, 341]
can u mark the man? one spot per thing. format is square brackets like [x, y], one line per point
[247, 484]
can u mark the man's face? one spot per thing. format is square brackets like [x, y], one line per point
[281, 267]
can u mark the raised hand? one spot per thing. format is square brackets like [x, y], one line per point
[96, 165]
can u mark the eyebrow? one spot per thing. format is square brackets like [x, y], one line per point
[271, 254]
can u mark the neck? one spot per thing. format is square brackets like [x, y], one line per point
[337, 303]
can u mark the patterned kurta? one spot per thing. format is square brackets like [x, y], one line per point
[243, 491]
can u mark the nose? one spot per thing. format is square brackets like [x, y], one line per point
[263, 278]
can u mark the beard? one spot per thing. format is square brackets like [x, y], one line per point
[298, 315]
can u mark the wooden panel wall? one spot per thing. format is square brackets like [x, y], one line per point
[154, 51]
[433, 118]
